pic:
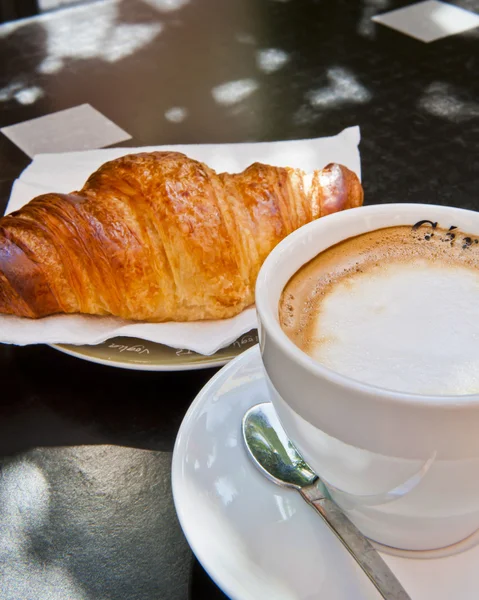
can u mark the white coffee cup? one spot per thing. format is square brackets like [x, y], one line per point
[404, 467]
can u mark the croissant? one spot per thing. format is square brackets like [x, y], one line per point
[159, 237]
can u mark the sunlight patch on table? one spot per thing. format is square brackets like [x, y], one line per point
[343, 87]
[29, 95]
[24, 504]
[176, 114]
[442, 100]
[102, 37]
[231, 92]
[21, 92]
[270, 60]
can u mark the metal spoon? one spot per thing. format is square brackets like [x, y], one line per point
[276, 457]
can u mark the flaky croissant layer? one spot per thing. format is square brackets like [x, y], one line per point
[159, 237]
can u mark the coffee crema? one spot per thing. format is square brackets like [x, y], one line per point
[396, 308]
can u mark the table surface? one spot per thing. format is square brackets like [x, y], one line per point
[85, 500]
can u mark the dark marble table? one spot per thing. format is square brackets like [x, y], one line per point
[85, 501]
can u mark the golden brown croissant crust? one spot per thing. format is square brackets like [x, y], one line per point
[158, 237]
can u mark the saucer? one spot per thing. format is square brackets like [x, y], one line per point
[257, 540]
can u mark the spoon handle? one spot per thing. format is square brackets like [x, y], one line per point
[358, 546]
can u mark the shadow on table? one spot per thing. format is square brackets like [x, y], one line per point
[201, 585]
[50, 399]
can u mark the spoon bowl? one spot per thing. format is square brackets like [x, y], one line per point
[272, 451]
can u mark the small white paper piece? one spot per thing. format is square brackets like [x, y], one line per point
[430, 20]
[78, 128]
[64, 173]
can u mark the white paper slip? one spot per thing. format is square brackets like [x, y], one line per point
[430, 20]
[67, 172]
[78, 128]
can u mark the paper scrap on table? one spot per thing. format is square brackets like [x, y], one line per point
[64, 173]
[78, 128]
[430, 20]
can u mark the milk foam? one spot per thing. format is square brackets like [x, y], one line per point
[397, 308]
[406, 327]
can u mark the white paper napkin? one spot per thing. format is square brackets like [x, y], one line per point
[78, 128]
[430, 20]
[67, 172]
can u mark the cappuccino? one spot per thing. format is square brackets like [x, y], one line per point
[397, 308]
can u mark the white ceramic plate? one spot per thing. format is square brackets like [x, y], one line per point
[257, 540]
